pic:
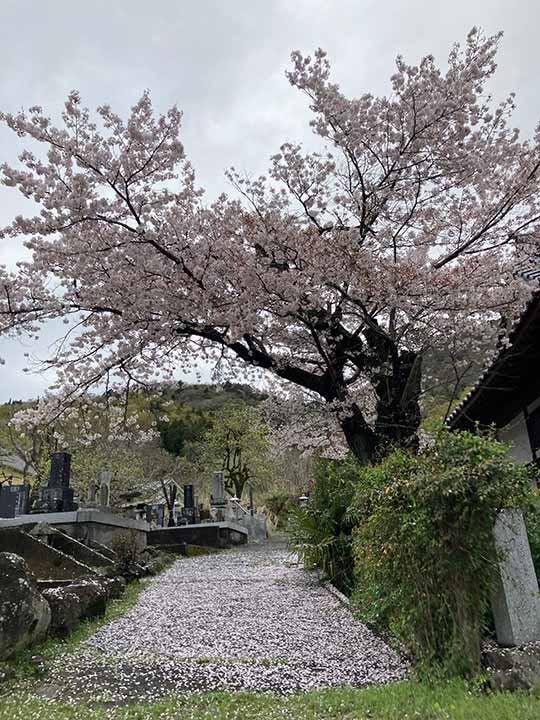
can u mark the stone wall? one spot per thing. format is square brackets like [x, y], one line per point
[45, 562]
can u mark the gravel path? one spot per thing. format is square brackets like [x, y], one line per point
[246, 619]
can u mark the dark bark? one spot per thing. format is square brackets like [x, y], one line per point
[170, 500]
[397, 413]
[394, 374]
[398, 407]
[360, 437]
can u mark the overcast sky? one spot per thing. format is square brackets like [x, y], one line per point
[223, 64]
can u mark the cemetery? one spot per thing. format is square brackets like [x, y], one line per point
[269, 350]
[66, 555]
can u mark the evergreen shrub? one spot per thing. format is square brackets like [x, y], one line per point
[321, 533]
[424, 558]
[532, 520]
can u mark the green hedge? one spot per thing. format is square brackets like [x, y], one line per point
[410, 539]
[424, 556]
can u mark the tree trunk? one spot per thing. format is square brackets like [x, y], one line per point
[360, 437]
[398, 413]
[398, 406]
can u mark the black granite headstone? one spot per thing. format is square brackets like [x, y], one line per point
[14, 500]
[22, 501]
[7, 502]
[57, 496]
[189, 504]
[60, 470]
[188, 496]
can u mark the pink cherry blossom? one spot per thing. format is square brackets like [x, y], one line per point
[337, 272]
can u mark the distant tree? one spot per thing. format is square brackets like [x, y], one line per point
[182, 426]
[237, 443]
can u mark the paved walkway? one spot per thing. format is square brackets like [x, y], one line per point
[248, 619]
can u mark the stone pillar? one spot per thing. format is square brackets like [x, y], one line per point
[516, 599]
[57, 496]
[218, 489]
[189, 506]
[104, 480]
[218, 501]
[60, 470]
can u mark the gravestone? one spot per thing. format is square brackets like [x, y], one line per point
[14, 500]
[22, 499]
[155, 514]
[60, 470]
[218, 501]
[92, 492]
[516, 599]
[218, 489]
[7, 502]
[56, 495]
[104, 480]
[189, 505]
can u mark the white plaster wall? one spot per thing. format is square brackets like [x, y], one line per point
[516, 433]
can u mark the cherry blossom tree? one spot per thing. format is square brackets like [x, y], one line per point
[337, 272]
[99, 433]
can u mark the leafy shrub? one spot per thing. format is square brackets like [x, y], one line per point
[321, 532]
[532, 520]
[125, 546]
[277, 507]
[424, 557]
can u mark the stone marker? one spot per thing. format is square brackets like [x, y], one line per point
[14, 500]
[92, 492]
[104, 480]
[516, 600]
[57, 496]
[218, 501]
[189, 505]
[7, 502]
[60, 470]
[218, 489]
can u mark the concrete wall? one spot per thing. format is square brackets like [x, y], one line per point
[76, 549]
[220, 535]
[103, 533]
[256, 525]
[85, 525]
[45, 562]
[516, 433]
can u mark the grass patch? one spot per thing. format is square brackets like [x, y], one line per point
[400, 701]
[53, 647]
[197, 550]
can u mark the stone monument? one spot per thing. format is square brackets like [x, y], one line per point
[516, 600]
[218, 500]
[93, 487]
[57, 495]
[14, 500]
[189, 504]
[104, 481]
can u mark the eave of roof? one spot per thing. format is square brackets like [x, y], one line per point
[511, 380]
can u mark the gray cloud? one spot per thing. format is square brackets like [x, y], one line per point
[223, 63]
